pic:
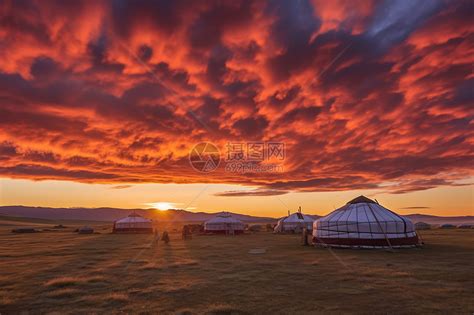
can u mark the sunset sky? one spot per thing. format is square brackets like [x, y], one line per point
[102, 102]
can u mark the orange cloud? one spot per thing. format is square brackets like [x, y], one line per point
[120, 92]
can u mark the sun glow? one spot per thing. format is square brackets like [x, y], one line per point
[162, 206]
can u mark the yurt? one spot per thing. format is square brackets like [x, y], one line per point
[363, 223]
[465, 226]
[134, 223]
[447, 226]
[422, 226]
[294, 223]
[224, 223]
[85, 230]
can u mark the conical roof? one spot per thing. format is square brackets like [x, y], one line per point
[223, 217]
[294, 222]
[298, 217]
[224, 222]
[361, 199]
[133, 218]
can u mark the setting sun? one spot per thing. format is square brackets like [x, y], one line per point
[162, 206]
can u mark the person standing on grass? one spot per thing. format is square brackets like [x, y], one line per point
[305, 237]
[187, 232]
[165, 237]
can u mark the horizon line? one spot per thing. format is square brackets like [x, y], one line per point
[157, 210]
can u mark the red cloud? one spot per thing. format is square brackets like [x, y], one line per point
[113, 93]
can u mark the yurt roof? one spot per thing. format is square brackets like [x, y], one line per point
[298, 217]
[223, 217]
[361, 199]
[133, 217]
[372, 212]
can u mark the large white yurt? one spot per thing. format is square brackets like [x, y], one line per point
[224, 223]
[363, 223]
[294, 223]
[134, 223]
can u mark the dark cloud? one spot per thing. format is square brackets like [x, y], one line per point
[145, 52]
[99, 50]
[208, 28]
[162, 16]
[175, 77]
[362, 78]
[40, 156]
[121, 187]
[305, 114]
[394, 20]
[463, 94]
[44, 172]
[210, 109]
[216, 65]
[144, 92]
[423, 184]
[44, 68]
[250, 127]
[282, 98]
[325, 184]
[292, 30]
[7, 150]
[255, 192]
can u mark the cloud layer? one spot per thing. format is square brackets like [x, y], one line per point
[363, 94]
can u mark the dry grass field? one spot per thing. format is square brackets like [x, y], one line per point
[63, 272]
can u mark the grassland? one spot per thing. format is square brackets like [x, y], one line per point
[64, 272]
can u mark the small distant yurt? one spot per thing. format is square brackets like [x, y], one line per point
[465, 226]
[224, 223]
[85, 230]
[25, 230]
[447, 226]
[363, 223]
[256, 228]
[294, 223]
[422, 226]
[134, 223]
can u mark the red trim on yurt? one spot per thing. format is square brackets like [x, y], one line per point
[402, 241]
[132, 230]
[224, 231]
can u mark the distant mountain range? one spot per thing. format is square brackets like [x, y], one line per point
[432, 219]
[112, 214]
